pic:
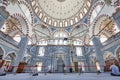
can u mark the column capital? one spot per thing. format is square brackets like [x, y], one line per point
[95, 36]
[96, 40]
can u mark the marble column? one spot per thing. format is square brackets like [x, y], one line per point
[84, 52]
[67, 62]
[116, 17]
[22, 47]
[99, 54]
[116, 14]
[33, 52]
[3, 16]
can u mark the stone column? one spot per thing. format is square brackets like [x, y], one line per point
[86, 62]
[67, 62]
[116, 15]
[99, 54]
[3, 16]
[22, 47]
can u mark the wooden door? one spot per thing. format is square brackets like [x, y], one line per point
[22, 67]
[1, 63]
[76, 66]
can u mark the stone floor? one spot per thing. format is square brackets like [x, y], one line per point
[60, 76]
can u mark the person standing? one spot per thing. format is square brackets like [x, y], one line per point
[80, 68]
[65, 70]
[3, 70]
[34, 71]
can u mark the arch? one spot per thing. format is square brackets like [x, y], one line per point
[23, 22]
[98, 22]
[14, 26]
[108, 55]
[10, 59]
[63, 32]
[43, 29]
[41, 51]
[12, 54]
[92, 9]
[2, 52]
[79, 31]
[29, 9]
[58, 37]
[40, 32]
[17, 24]
[104, 25]
[60, 64]
[28, 57]
[25, 11]
[117, 53]
[23, 8]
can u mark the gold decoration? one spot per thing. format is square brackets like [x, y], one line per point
[108, 2]
[13, 1]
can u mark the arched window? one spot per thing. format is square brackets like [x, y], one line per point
[88, 3]
[41, 51]
[61, 24]
[103, 38]
[50, 22]
[33, 3]
[45, 18]
[40, 16]
[66, 23]
[81, 15]
[85, 10]
[79, 51]
[36, 10]
[76, 19]
[55, 23]
[71, 22]
[17, 38]
[4, 28]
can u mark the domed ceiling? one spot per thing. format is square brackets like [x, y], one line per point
[60, 13]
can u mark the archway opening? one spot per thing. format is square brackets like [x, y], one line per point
[60, 64]
[10, 60]
[118, 54]
[1, 57]
[109, 58]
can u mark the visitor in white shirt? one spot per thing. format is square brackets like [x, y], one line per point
[115, 70]
[34, 71]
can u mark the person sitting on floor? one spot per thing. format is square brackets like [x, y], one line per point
[115, 70]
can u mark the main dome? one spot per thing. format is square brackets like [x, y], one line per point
[60, 13]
